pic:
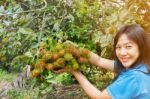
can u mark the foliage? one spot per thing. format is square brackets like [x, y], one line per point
[18, 43]
[33, 90]
[5, 76]
[140, 10]
[63, 78]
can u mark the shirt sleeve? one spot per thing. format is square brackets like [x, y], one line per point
[125, 87]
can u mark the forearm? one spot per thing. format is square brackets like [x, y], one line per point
[94, 58]
[91, 90]
[101, 62]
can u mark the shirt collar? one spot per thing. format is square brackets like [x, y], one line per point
[142, 67]
[139, 67]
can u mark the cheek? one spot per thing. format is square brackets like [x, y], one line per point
[117, 54]
[136, 53]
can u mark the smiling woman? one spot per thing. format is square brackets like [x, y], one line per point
[136, 41]
[131, 64]
[127, 51]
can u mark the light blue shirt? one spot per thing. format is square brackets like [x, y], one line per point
[131, 84]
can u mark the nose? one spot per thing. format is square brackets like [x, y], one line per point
[123, 51]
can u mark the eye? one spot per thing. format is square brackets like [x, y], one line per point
[118, 47]
[128, 46]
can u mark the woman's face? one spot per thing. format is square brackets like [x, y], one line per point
[127, 51]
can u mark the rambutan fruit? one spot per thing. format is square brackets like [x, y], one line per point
[47, 56]
[50, 67]
[76, 53]
[41, 53]
[82, 60]
[35, 72]
[61, 53]
[85, 52]
[68, 57]
[61, 61]
[75, 66]
[57, 66]
[69, 48]
[55, 56]
[42, 63]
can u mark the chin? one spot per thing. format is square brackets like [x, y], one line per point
[126, 65]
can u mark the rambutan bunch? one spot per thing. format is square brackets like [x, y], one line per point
[60, 56]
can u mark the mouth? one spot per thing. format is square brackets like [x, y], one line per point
[124, 60]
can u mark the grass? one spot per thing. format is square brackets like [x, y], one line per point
[5, 76]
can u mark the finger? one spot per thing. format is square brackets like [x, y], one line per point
[59, 71]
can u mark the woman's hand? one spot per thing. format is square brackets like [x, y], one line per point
[64, 70]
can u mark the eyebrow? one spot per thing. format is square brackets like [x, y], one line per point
[126, 43]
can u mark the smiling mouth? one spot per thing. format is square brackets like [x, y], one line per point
[124, 60]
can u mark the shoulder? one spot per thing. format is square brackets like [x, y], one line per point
[125, 87]
[131, 83]
[139, 72]
[128, 77]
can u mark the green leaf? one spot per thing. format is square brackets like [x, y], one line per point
[29, 54]
[25, 30]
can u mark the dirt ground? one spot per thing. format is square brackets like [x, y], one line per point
[60, 91]
[3, 84]
[4, 87]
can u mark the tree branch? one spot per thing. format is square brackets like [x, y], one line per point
[45, 5]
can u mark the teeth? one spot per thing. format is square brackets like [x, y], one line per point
[124, 60]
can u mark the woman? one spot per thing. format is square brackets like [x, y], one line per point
[132, 65]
